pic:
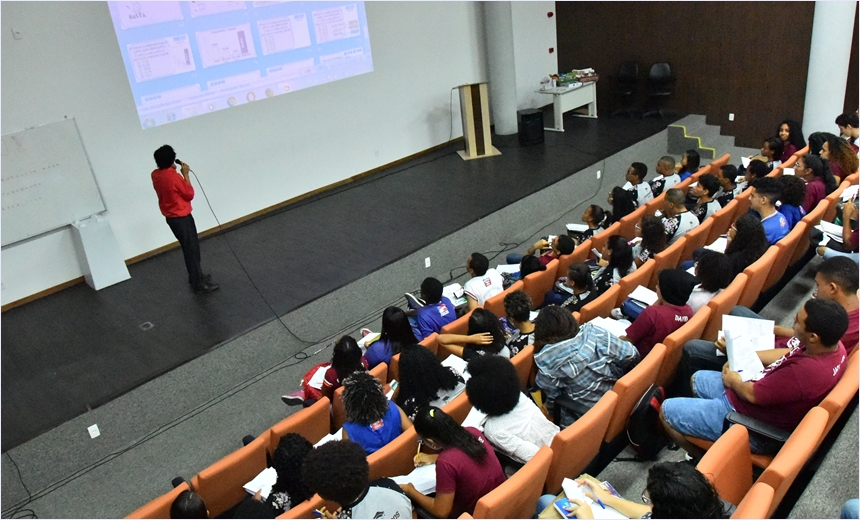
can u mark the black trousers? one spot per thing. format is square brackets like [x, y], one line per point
[185, 232]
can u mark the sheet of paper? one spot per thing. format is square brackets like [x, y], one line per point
[746, 161]
[457, 363]
[452, 291]
[614, 327]
[627, 186]
[572, 490]
[692, 270]
[533, 315]
[719, 245]
[508, 268]
[831, 230]
[644, 295]
[788, 171]
[742, 355]
[263, 483]
[850, 192]
[336, 436]
[579, 228]
[475, 419]
[760, 332]
[318, 378]
[423, 478]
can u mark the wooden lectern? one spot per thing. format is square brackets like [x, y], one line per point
[475, 110]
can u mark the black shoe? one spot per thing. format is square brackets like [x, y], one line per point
[206, 287]
[414, 302]
[203, 278]
[292, 400]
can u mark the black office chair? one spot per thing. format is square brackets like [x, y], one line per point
[661, 84]
[626, 81]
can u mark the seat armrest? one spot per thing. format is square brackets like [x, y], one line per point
[755, 426]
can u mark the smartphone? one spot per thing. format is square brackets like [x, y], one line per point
[562, 505]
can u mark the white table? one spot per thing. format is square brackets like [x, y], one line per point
[565, 99]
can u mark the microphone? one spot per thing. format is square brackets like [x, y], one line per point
[178, 162]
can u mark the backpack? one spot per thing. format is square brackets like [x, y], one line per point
[644, 430]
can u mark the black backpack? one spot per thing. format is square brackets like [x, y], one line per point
[644, 429]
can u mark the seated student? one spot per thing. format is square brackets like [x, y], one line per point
[433, 312]
[653, 241]
[622, 202]
[338, 472]
[484, 336]
[372, 421]
[668, 313]
[792, 138]
[816, 142]
[819, 181]
[746, 242]
[396, 332]
[594, 217]
[727, 176]
[791, 200]
[615, 263]
[253, 507]
[576, 290]
[287, 460]
[849, 128]
[640, 189]
[514, 425]
[689, 164]
[765, 192]
[346, 358]
[677, 219]
[836, 279]
[771, 153]
[841, 157]
[188, 504]
[466, 467]
[850, 244]
[705, 191]
[560, 246]
[581, 365]
[673, 490]
[518, 307]
[667, 176]
[425, 381]
[756, 170]
[714, 272]
[485, 283]
[528, 265]
[794, 380]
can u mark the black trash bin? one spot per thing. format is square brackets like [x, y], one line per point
[530, 126]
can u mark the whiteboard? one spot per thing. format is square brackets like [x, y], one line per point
[46, 182]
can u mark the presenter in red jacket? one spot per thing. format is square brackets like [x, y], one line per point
[174, 199]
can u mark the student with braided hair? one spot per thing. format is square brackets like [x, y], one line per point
[372, 421]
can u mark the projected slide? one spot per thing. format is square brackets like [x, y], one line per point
[185, 59]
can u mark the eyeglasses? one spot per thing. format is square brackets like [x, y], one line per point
[646, 499]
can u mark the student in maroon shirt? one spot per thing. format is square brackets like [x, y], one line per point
[174, 199]
[466, 467]
[667, 315]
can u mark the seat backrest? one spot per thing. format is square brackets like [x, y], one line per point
[756, 502]
[523, 362]
[723, 304]
[304, 509]
[600, 306]
[517, 497]
[628, 72]
[833, 200]
[721, 221]
[160, 507]
[641, 276]
[842, 394]
[458, 408]
[220, 484]
[794, 454]
[743, 203]
[812, 219]
[716, 164]
[668, 258]
[396, 457]
[458, 326]
[496, 304]
[757, 273]
[313, 423]
[654, 204]
[631, 387]
[338, 411]
[536, 285]
[728, 466]
[627, 225]
[675, 341]
[599, 239]
[660, 73]
[431, 342]
[696, 238]
[580, 254]
[575, 446]
[786, 246]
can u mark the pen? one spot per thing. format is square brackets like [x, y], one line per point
[601, 503]
[317, 512]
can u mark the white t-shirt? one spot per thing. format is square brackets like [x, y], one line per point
[482, 288]
[688, 222]
[643, 193]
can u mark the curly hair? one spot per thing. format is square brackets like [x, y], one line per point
[422, 375]
[843, 155]
[518, 306]
[553, 324]
[710, 183]
[482, 321]
[654, 237]
[714, 271]
[678, 490]
[433, 423]
[287, 461]
[494, 385]
[623, 204]
[363, 399]
[793, 190]
[750, 241]
[337, 471]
